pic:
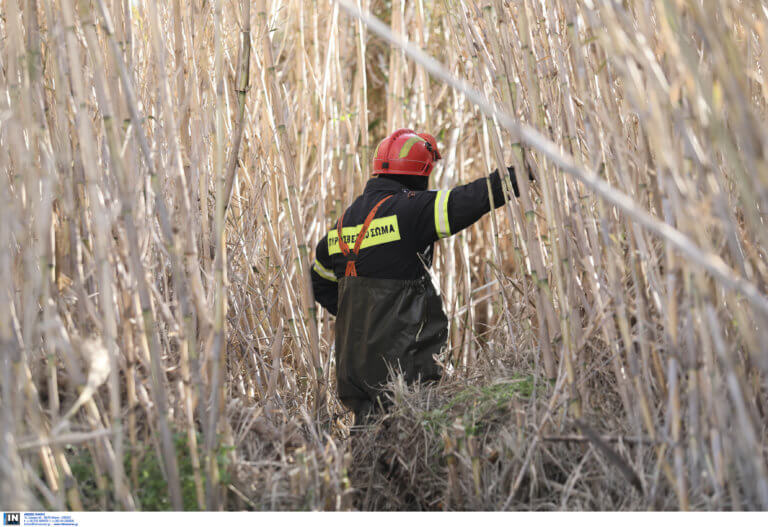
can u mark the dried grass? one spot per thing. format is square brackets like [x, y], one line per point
[166, 169]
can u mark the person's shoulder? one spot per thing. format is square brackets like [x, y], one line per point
[416, 196]
[413, 203]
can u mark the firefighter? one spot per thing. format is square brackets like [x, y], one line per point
[370, 270]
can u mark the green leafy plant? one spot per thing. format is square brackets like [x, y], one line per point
[151, 492]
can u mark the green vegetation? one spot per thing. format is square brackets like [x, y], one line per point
[475, 405]
[151, 491]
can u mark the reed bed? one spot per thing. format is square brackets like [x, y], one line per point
[166, 169]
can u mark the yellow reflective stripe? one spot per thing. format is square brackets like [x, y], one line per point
[442, 226]
[325, 273]
[381, 230]
[407, 146]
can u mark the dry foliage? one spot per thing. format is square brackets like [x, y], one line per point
[167, 167]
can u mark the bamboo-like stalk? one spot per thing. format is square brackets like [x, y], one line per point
[151, 201]
[217, 356]
[145, 300]
[298, 248]
[108, 305]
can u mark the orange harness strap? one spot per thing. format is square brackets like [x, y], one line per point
[351, 270]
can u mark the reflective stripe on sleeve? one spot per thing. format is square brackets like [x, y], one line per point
[442, 227]
[324, 273]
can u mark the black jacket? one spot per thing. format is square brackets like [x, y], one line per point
[399, 241]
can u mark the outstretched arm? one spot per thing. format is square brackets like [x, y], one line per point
[447, 212]
[325, 284]
[468, 203]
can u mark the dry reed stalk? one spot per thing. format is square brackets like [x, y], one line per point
[150, 199]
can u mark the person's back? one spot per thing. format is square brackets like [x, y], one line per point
[388, 313]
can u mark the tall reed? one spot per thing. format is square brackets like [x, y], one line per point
[166, 170]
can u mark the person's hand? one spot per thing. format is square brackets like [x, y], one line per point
[513, 177]
[513, 181]
[528, 169]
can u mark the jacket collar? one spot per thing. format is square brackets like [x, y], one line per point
[377, 184]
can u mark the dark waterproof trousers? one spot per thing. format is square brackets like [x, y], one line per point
[381, 325]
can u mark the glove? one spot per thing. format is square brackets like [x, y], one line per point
[513, 177]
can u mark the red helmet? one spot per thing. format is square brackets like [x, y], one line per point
[407, 153]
